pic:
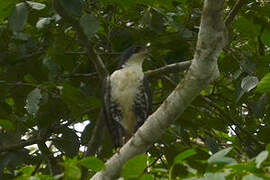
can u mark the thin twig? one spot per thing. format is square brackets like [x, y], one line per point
[169, 68]
[19, 83]
[227, 115]
[21, 144]
[236, 8]
[76, 53]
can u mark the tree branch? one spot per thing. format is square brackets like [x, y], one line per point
[232, 121]
[169, 68]
[202, 71]
[94, 142]
[21, 144]
[236, 8]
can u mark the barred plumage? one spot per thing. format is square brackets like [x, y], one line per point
[127, 97]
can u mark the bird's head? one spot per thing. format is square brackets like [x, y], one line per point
[134, 55]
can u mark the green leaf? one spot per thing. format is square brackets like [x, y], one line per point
[43, 22]
[89, 24]
[259, 106]
[52, 67]
[267, 147]
[250, 167]
[219, 157]
[92, 163]
[134, 167]
[7, 125]
[251, 177]
[248, 66]
[72, 7]
[266, 37]
[146, 18]
[27, 170]
[32, 101]
[193, 178]
[260, 158]
[10, 101]
[246, 27]
[6, 8]
[72, 172]
[239, 92]
[13, 159]
[157, 22]
[224, 160]
[29, 78]
[180, 157]
[36, 5]
[264, 84]
[73, 97]
[249, 82]
[68, 143]
[147, 177]
[18, 18]
[214, 176]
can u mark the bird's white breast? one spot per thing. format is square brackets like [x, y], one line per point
[124, 86]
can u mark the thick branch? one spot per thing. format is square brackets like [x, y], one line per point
[202, 70]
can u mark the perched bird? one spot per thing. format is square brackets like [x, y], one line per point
[127, 100]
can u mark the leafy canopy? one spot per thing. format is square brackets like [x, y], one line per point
[49, 87]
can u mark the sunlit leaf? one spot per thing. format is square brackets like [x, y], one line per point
[32, 101]
[7, 124]
[43, 22]
[134, 167]
[72, 173]
[36, 5]
[240, 167]
[251, 177]
[219, 157]
[6, 8]
[261, 157]
[267, 147]
[92, 163]
[10, 101]
[180, 157]
[214, 176]
[264, 84]
[249, 83]
[147, 177]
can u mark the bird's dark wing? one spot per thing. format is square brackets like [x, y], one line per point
[143, 103]
[112, 114]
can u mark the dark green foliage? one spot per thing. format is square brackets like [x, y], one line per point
[49, 85]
